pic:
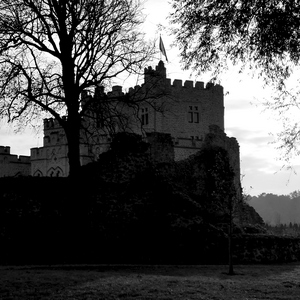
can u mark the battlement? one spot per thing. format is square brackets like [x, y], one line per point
[153, 78]
[51, 123]
[12, 164]
[4, 150]
[116, 91]
[134, 89]
[24, 159]
[159, 72]
[199, 85]
[12, 158]
[38, 153]
[159, 75]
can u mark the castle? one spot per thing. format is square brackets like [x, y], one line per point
[186, 111]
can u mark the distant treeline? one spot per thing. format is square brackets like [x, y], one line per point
[278, 209]
[284, 229]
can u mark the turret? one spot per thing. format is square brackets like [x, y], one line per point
[158, 75]
[4, 150]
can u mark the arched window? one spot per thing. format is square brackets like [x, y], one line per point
[55, 172]
[38, 173]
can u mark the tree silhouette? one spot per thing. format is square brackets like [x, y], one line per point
[53, 50]
[220, 190]
[260, 35]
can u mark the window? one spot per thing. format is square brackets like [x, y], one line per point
[145, 116]
[193, 114]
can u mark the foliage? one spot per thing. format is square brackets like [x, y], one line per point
[277, 209]
[291, 229]
[261, 34]
[134, 209]
[210, 177]
[125, 143]
[129, 200]
[219, 175]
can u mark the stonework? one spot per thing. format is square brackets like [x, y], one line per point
[13, 165]
[185, 111]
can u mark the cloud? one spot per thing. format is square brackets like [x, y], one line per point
[249, 135]
[249, 163]
[265, 172]
[20, 143]
[257, 181]
[261, 167]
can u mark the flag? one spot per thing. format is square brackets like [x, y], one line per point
[162, 48]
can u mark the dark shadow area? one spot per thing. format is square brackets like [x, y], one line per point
[127, 208]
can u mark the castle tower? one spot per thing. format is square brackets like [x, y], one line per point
[157, 76]
[183, 110]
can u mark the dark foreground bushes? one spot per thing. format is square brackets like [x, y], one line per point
[43, 222]
[49, 220]
[127, 208]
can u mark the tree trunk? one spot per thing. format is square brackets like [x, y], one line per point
[230, 263]
[73, 138]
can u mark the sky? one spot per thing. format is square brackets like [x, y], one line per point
[262, 171]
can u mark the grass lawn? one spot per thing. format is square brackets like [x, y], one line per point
[150, 282]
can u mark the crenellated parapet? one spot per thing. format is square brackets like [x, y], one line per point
[12, 158]
[52, 123]
[187, 86]
[4, 150]
[12, 164]
[154, 79]
[198, 85]
[38, 153]
[24, 159]
[159, 74]
[115, 92]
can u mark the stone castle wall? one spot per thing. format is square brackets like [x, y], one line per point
[13, 165]
[182, 110]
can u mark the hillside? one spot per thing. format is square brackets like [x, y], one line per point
[278, 209]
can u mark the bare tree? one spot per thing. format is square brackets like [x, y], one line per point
[221, 191]
[53, 50]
